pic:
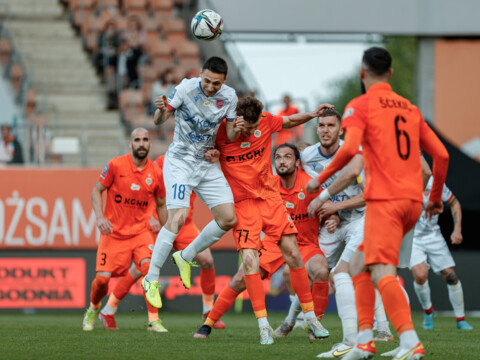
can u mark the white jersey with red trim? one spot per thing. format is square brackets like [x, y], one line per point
[423, 226]
[197, 118]
[313, 162]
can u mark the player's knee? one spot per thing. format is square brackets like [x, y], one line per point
[227, 222]
[319, 274]
[101, 281]
[238, 282]
[420, 275]
[451, 277]
[205, 262]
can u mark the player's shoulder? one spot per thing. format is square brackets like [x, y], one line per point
[309, 152]
[228, 91]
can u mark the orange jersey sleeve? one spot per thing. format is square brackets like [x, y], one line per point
[296, 201]
[246, 162]
[131, 195]
[390, 130]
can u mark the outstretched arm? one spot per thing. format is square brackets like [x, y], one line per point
[299, 119]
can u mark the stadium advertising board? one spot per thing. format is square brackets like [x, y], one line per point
[42, 283]
[51, 209]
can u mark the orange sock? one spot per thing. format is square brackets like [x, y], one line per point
[395, 303]
[152, 311]
[320, 297]
[225, 300]
[257, 294]
[301, 286]
[99, 290]
[121, 290]
[207, 282]
[365, 300]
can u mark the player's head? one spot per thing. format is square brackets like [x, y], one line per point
[251, 110]
[139, 143]
[213, 75]
[329, 128]
[376, 64]
[287, 159]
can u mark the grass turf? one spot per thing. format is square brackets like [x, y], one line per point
[59, 336]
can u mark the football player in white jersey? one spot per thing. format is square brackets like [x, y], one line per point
[199, 106]
[431, 251]
[340, 246]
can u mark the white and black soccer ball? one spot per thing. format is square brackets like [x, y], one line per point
[207, 25]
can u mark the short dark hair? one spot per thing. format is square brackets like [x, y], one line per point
[291, 146]
[331, 112]
[217, 65]
[378, 60]
[250, 108]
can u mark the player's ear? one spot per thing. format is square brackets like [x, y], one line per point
[362, 73]
[390, 73]
[341, 132]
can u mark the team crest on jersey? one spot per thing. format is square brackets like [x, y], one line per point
[244, 145]
[149, 180]
[207, 102]
[135, 187]
[289, 205]
[301, 195]
[257, 133]
[347, 113]
[220, 103]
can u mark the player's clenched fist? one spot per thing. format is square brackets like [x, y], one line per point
[161, 102]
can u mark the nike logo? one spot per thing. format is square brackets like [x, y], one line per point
[337, 354]
[123, 175]
[291, 226]
[416, 350]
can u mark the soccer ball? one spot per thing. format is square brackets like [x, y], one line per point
[207, 25]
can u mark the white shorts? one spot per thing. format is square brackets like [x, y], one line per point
[432, 250]
[343, 242]
[206, 179]
[406, 250]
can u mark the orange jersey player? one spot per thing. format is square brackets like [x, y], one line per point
[291, 181]
[134, 189]
[246, 163]
[186, 235]
[391, 131]
[290, 136]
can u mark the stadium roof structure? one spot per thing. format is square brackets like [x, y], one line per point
[429, 18]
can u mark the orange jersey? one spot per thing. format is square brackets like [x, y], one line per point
[296, 201]
[246, 162]
[131, 195]
[289, 135]
[391, 131]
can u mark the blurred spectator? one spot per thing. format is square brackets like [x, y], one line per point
[288, 135]
[164, 85]
[135, 33]
[108, 44]
[10, 148]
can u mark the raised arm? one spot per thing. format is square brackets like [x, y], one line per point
[162, 113]
[299, 119]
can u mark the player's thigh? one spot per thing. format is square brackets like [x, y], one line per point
[315, 262]
[438, 254]
[419, 253]
[142, 248]
[213, 189]
[248, 228]
[406, 250]
[353, 236]
[331, 245]
[177, 177]
[113, 256]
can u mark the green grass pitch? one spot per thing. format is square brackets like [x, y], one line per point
[60, 336]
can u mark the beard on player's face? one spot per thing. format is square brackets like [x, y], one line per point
[140, 153]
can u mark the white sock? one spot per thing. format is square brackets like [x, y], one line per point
[347, 311]
[455, 294]
[309, 315]
[162, 248]
[380, 316]
[423, 295]
[207, 237]
[294, 310]
[409, 339]
[365, 336]
[263, 322]
[108, 310]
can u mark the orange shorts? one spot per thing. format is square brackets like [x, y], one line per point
[386, 222]
[114, 255]
[257, 215]
[187, 234]
[271, 258]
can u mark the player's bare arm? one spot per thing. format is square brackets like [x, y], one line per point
[162, 113]
[426, 171]
[161, 209]
[456, 209]
[299, 119]
[235, 128]
[332, 207]
[104, 225]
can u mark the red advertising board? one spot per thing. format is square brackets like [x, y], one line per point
[42, 208]
[42, 283]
